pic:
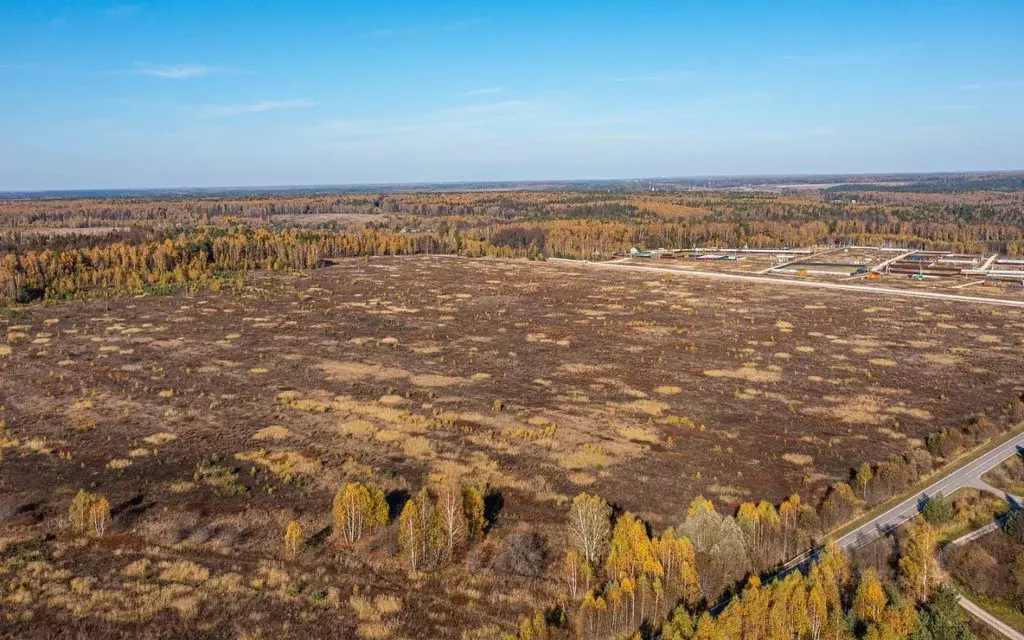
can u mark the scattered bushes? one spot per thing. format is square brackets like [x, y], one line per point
[524, 553]
[938, 510]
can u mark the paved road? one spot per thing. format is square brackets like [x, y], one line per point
[965, 476]
[990, 620]
[906, 293]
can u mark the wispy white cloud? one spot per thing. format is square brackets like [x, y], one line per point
[483, 91]
[180, 71]
[228, 110]
[978, 86]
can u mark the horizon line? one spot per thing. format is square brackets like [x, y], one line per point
[485, 183]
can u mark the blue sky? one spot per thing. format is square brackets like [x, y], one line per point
[188, 93]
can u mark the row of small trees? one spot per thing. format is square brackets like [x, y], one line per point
[434, 527]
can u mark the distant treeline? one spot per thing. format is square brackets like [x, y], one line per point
[946, 185]
[205, 256]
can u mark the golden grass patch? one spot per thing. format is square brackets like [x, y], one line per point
[181, 487]
[642, 434]
[388, 435]
[426, 350]
[989, 339]
[357, 428]
[432, 380]
[783, 326]
[862, 409]
[183, 571]
[353, 371]
[586, 457]
[480, 377]
[160, 438]
[138, 569]
[892, 433]
[273, 432]
[748, 373]
[648, 407]
[800, 459]
[882, 362]
[668, 390]
[579, 367]
[118, 463]
[5, 351]
[419, 448]
[388, 604]
[283, 463]
[920, 414]
[581, 479]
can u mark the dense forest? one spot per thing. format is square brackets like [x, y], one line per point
[135, 244]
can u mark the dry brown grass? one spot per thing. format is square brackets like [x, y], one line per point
[182, 571]
[283, 463]
[800, 459]
[357, 428]
[273, 432]
[748, 373]
[586, 457]
[647, 407]
[419, 448]
[642, 434]
[160, 438]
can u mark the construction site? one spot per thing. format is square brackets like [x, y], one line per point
[854, 263]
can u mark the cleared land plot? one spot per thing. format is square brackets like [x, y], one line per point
[210, 421]
[610, 381]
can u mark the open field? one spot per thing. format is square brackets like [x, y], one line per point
[604, 379]
[538, 380]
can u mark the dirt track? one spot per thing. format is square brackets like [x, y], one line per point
[907, 293]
